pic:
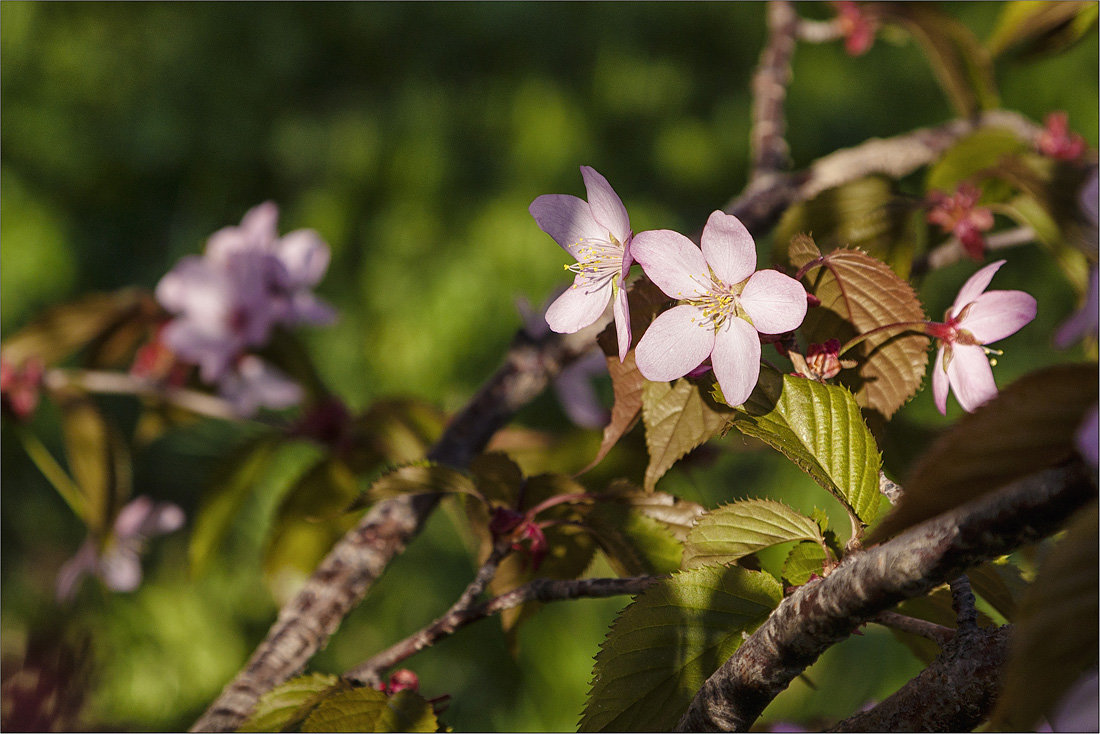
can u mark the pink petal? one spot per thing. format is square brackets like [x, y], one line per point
[577, 308]
[997, 314]
[776, 303]
[974, 287]
[607, 207]
[622, 322]
[728, 248]
[305, 255]
[939, 383]
[577, 394]
[260, 221]
[120, 568]
[971, 377]
[736, 360]
[674, 344]
[672, 262]
[567, 219]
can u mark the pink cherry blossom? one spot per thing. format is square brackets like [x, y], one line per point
[252, 383]
[117, 561]
[857, 25]
[725, 304]
[1057, 141]
[597, 234]
[960, 215]
[977, 317]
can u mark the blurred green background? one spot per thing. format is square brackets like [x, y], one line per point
[412, 137]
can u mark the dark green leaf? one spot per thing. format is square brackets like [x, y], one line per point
[284, 707]
[679, 416]
[497, 477]
[1029, 426]
[664, 645]
[419, 478]
[368, 710]
[733, 531]
[820, 429]
[972, 155]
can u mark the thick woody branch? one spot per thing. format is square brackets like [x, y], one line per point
[343, 577]
[769, 91]
[460, 615]
[956, 692]
[825, 611]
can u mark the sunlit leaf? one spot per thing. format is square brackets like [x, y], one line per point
[368, 710]
[1044, 27]
[960, 62]
[1000, 584]
[1056, 635]
[679, 416]
[971, 155]
[663, 646]
[805, 559]
[859, 294]
[820, 429]
[284, 707]
[1028, 427]
[733, 531]
[99, 459]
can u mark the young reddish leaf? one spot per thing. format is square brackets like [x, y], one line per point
[733, 531]
[819, 428]
[663, 646]
[679, 416]
[98, 459]
[284, 707]
[858, 294]
[1056, 635]
[1029, 426]
[368, 710]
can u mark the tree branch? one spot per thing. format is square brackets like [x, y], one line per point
[770, 152]
[904, 623]
[343, 577]
[460, 615]
[827, 610]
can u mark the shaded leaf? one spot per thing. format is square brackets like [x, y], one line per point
[960, 62]
[974, 154]
[999, 583]
[820, 429]
[805, 559]
[368, 710]
[418, 478]
[497, 477]
[394, 431]
[1056, 634]
[733, 531]
[663, 646]
[679, 416]
[65, 329]
[859, 294]
[626, 384]
[1028, 427]
[678, 515]
[1044, 27]
[284, 707]
[635, 544]
[99, 459]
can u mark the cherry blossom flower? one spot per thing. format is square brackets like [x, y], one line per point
[253, 383]
[856, 25]
[978, 317]
[960, 215]
[20, 386]
[725, 304]
[1056, 140]
[117, 561]
[597, 234]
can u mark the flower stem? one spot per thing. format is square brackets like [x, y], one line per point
[919, 327]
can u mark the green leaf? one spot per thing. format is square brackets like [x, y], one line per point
[395, 431]
[866, 214]
[284, 707]
[1028, 427]
[733, 531]
[679, 416]
[805, 559]
[1056, 635]
[99, 459]
[635, 544]
[497, 477]
[418, 478]
[976, 153]
[368, 710]
[999, 583]
[820, 429]
[663, 646]
[960, 62]
[65, 329]
[859, 294]
[1044, 27]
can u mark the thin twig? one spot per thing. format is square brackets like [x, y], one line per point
[121, 383]
[962, 601]
[541, 589]
[952, 250]
[888, 487]
[904, 623]
[819, 31]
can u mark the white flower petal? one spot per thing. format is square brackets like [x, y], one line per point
[776, 303]
[728, 248]
[674, 344]
[672, 262]
[736, 360]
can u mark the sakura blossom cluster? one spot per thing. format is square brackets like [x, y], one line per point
[725, 303]
[229, 301]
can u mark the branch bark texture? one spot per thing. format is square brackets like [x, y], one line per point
[343, 577]
[826, 611]
[769, 91]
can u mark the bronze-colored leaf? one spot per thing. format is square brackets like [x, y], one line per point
[679, 416]
[99, 459]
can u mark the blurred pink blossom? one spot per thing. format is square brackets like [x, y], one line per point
[857, 26]
[960, 215]
[726, 303]
[1056, 140]
[1085, 320]
[977, 317]
[116, 561]
[597, 234]
[20, 386]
